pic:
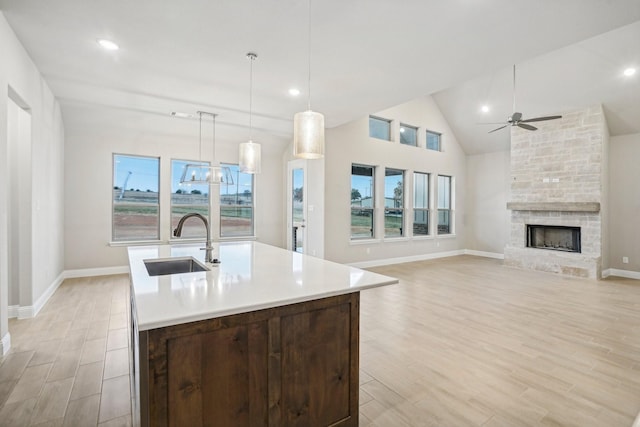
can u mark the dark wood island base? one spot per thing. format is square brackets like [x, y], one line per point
[294, 365]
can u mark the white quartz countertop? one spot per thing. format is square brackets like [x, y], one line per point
[252, 276]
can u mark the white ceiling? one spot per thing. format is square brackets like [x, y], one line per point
[366, 56]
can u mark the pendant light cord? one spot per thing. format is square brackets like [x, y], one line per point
[200, 134]
[309, 53]
[252, 57]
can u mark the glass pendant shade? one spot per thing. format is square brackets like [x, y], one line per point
[250, 157]
[205, 173]
[308, 135]
[202, 173]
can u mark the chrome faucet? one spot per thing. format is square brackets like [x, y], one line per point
[208, 256]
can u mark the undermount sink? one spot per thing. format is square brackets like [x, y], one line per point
[161, 267]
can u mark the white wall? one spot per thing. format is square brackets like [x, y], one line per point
[487, 195]
[88, 180]
[351, 143]
[624, 202]
[20, 78]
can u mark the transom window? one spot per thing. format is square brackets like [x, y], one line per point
[393, 202]
[362, 201]
[188, 198]
[136, 206]
[236, 204]
[420, 204]
[408, 135]
[433, 141]
[444, 205]
[379, 128]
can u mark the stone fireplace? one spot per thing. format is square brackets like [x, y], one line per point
[558, 179]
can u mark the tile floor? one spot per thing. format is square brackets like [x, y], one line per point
[69, 366]
[461, 341]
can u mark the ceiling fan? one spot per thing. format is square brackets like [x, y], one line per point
[515, 119]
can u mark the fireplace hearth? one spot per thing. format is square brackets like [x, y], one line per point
[554, 238]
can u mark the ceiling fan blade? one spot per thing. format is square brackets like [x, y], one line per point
[501, 127]
[490, 123]
[540, 119]
[515, 117]
[526, 126]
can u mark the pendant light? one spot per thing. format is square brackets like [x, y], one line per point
[250, 153]
[203, 173]
[308, 126]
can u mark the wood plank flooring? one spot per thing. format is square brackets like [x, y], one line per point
[465, 341]
[461, 341]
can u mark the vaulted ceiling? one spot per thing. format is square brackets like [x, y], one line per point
[366, 56]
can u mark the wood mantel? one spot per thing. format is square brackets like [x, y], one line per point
[555, 206]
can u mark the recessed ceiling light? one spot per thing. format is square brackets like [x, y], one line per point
[485, 108]
[108, 44]
[294, 92]
[629, 72]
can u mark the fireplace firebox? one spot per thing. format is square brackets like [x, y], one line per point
[553, 237]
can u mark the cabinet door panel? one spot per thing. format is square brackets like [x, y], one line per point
[316, 366]
[220, 377]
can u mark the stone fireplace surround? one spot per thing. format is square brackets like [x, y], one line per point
[587, 263]
[558, 178]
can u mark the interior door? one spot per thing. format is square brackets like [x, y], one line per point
[297, 206]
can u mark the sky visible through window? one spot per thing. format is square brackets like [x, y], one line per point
[144, 173]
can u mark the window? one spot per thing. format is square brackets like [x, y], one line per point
[393, 202]
[188, 198]
[433, 141]
[379, 128]
[236, 204]
[136, 205]
[408, 135]
[420, 204]
[362, 201]
[444, 204]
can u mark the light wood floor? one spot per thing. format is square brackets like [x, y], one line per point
[460, 341]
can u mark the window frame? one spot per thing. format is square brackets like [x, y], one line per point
[426, 140]
[158, 205]
[416, 130]
[400, 208]
[389, 123]
[449, 210]
[360, 210]
[252, 206]
[426, 210]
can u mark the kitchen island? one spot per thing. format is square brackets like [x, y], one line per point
[268, 337]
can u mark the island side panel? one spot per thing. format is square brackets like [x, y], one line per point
[247, 369]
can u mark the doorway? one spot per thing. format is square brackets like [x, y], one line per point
[297, 206]
[19, 207]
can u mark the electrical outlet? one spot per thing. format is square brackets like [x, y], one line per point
[368, 251]
[625, 260]
[545, 180]
[555, 180]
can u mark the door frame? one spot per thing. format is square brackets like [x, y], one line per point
[291, 165]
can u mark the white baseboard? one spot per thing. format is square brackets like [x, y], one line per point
[13, 311]
[90, 272]
[25, 312]
[40, 302]
[484, 254]
[401, 260]
[621, 273]
[5, 344]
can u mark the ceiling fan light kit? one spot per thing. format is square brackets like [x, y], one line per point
[516, 118]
